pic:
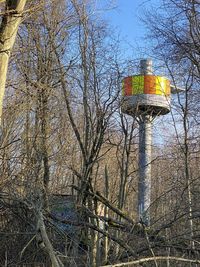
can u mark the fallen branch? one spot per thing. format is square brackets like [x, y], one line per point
[95, 228]
[158, 258]
[107, 203]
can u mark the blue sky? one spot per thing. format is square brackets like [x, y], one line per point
[125, 18]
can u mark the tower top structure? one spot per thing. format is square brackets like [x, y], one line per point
[145, 92]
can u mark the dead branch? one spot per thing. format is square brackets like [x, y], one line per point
[158, 258]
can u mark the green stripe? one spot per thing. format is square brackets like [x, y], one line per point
[138, 84]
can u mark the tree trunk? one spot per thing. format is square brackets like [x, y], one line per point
[48, 246]
[8, 31]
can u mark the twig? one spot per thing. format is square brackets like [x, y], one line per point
[29, 242]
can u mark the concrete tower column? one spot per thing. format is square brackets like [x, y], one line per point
[145, 143]
[144, 184]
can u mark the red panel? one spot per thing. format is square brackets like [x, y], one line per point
[149, 84]
[128, 86]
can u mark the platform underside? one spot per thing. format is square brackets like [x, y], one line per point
[154, 105]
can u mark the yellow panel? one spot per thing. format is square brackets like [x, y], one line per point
[138, 85]
[160, 86]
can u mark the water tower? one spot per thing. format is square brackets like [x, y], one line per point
[145, 96]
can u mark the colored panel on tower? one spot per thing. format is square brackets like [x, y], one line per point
[160, 85]
[145, 84]
[127, 85]
[138, 84]
[149, 84]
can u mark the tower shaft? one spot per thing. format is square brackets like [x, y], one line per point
[144, 184]
[145, 142]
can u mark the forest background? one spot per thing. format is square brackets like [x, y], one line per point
[65, 141]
